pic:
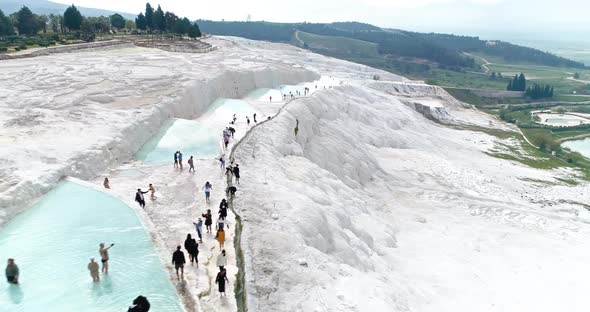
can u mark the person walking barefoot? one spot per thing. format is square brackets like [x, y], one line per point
[208, 220]
[191, 165]
[106, 183]
[199, 227]
[220, 280]
[178, 260]
[220, 237]
[207, 188]
[152, 191]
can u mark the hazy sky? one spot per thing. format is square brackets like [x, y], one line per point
[482, 17]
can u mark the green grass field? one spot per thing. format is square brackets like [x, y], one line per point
[339, 45]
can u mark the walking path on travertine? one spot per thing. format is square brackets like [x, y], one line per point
[180, 201]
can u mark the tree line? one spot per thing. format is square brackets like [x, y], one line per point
[518, 83]
[26, 23]
[160, 22]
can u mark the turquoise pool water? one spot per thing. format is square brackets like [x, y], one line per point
[53, 241]
[580, 146]
[264, 94]
[188, 136]
[225, 108]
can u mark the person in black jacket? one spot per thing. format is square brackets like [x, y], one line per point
[140, 304]
[220, 280]
[208, 220]
[223, 208]
[178, 261]
[139, 198]
[192, 248]
[237, 173]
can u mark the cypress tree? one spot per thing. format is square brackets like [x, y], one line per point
[140, 22]
[149, 16]
[521, 82]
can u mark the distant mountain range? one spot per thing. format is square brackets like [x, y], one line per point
[47, 7]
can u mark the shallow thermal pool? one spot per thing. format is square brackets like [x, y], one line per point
[265, 94]
[225, 108]
[580, 146]
[52, 243]
[189, 136]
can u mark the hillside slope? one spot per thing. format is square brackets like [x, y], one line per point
[374, 207]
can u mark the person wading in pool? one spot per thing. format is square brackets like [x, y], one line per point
[248, 121]
[178, 261]
[191, 164]
[139, 198]
[12, 272]
[93, 268]
[207, 188]
[104, 257]
[255, 118]
[208, 220]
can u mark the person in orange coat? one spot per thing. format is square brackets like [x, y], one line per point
[220, 237]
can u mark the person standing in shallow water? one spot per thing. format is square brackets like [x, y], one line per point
[106, 183]
[12, 272]
[255, 118]
[104, 257]
[191, 164]
[220, 280]
[176, 159]
[248, 121]
[208, 220]
[93, 268]
[178, 260]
